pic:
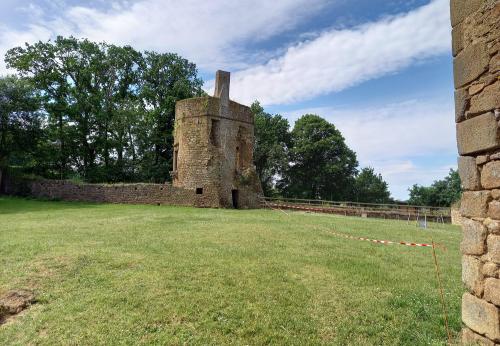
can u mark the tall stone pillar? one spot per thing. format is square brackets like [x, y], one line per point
[476, 44]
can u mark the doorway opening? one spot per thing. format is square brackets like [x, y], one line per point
[234, 194]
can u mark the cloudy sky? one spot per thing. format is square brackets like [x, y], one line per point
[380, 70]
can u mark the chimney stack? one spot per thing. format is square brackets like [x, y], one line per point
[222, 80]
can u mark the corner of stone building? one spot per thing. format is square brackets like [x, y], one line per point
[476, 51]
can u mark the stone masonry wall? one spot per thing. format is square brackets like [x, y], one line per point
[476, 44]
[162, 194]
[213, 147]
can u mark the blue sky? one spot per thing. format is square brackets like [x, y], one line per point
[380, 70]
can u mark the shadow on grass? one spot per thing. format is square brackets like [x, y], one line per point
[19, 205]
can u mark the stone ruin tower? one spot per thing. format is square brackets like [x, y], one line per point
[213, 150]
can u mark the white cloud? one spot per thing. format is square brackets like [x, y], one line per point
[210, 33]
[339, 59]
[398, 139]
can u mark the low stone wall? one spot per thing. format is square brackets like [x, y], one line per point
[162, 194]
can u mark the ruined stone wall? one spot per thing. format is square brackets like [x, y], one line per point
[163, 194]
[476, 43]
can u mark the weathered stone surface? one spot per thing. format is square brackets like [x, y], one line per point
[472, 274]
[495, 194]
[490, 175]
[493, 226]
[475, 88]
[481, 316]
[461, 104]
[482, 159]
[469, 174]
[490, 269]
[477, 134]
[457, 35]
[492, 290]
[469, 338]
[475, 203]
[495, 63]
[486, 101]
[494, 210]
[493, 244]
[495, 156]
[471, 63]
[476, 45]
[460, 9]
[474, 237]
[213, 147]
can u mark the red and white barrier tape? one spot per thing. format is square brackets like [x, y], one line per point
[386, 242]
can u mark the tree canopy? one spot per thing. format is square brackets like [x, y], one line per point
[108, 110]
[442, 193]
[370, 187]
[321, 165]
[271, 150]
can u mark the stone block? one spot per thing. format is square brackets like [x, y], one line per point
[487, 100]
[493, 244]
[469, 338]
[462, 103]
[457, 35]
[474, 237]
[481, 316]
[495, 194]
[493, 226]
[476, 88]
[461, 9]
[475, 203]
[495, 156]
[472, 275]
[477, 134]
[490, 175]
[494, 210]
[482, 159]
[492, 290]
[471, 63]
[490, 270]
[469, 174]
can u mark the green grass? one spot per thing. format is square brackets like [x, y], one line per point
[124, 274]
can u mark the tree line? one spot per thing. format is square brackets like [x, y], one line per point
[98, 112]
[93, 111]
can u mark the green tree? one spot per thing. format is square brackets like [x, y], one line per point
[442, 193]
[272, 141]
[20, 122]
[370, 187]
[165, 79]
[109, 110]
[321, 164]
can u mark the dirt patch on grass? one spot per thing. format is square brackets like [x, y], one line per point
[13, 302]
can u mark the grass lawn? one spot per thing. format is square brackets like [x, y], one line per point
[128, 274]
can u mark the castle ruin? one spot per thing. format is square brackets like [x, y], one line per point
[213, 162]
[213, 149]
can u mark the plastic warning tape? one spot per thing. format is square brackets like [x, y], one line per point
[387, 242]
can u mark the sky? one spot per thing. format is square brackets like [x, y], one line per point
[379, 70]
